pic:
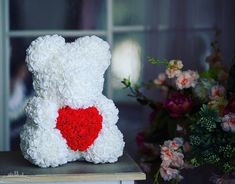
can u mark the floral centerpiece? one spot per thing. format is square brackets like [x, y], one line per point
[195, 123]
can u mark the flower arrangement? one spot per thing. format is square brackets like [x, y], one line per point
[194, 124]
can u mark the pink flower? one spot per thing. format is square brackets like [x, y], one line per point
[217, 92]
[174, 68]
[177, 105]
[187, 79]
[166, 154]
[177, 160]
[172, 159]
[228, 122]
[174, 144]
[160, 79]
[168, 173]
[169, 153]
[193, 74]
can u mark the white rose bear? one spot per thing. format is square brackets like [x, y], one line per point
[69, 118]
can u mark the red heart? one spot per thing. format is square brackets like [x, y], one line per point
[80, 127]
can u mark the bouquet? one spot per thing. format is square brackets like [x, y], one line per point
[194, 124]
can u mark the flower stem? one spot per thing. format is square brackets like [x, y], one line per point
[158, 61]
[156, 177]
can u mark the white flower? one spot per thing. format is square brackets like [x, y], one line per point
[172, 72]
[228, 122]
[174, 68]
[187, 79]
[107, 147]
[176, 64]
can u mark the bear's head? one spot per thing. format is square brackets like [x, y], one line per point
[68, 72]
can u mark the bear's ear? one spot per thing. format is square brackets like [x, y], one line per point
[42, 50]
[96, 52]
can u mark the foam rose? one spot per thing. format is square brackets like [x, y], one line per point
[63, 76]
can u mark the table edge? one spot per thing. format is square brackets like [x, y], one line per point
[74, 177]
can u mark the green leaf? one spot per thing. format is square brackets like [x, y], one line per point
[158, 61]
[211, 73]
[126, 82]
[194, 162]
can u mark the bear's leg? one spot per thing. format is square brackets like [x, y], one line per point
[43, 147]
[41, 142]
[107, 147]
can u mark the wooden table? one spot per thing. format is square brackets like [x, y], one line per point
[15, 169]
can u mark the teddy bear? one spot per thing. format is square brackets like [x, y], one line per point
[69, 118]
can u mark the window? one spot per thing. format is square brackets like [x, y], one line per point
[23, 21]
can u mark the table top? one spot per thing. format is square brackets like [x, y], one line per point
[14, 168]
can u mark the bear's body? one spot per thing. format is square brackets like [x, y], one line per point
[68, 79]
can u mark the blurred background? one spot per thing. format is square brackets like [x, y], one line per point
[135, 29]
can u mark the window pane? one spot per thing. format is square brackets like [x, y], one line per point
[127, 57]
[163, 13]
[20, 88]
[202, 13]
[57, 14]
[131, 12]
[201, 46]
[183, 14]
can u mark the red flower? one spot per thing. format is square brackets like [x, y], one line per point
[178, 104]
[79, 127]
[230, 107]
